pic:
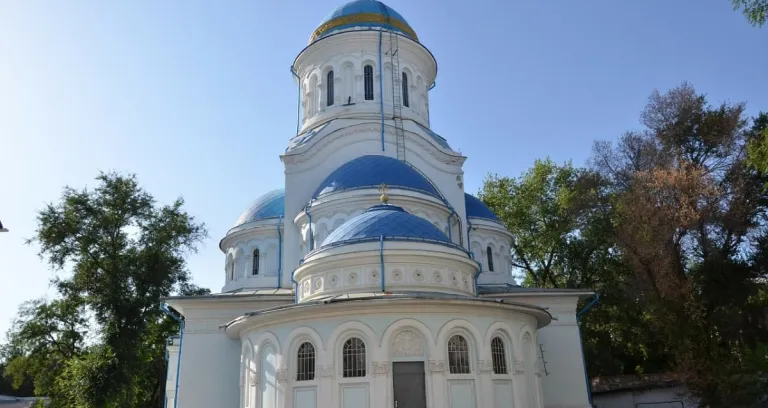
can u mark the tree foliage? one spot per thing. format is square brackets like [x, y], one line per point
[668, 224]
[756, 11]
[100, 343]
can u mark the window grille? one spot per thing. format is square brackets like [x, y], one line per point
[498, 356]
[354, 358]
[489, 253]
[458, 355]
[255, 262]
[405, 90]
[329, 88]
[305, 362]
[368, 77]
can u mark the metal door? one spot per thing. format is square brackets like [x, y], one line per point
[408, 381]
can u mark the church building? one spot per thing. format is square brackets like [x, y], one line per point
[372, 280]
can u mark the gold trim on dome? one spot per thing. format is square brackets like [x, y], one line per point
[363, 18]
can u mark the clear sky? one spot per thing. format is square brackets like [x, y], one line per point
[196, 97]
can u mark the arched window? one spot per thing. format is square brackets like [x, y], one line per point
[489, 253]
[499, 356]
[255, 270]
[458, 355]
[354, 358]
[405, 90]
[305, 362]
[368, 82]
[329, 89]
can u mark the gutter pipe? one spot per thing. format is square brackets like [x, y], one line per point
[581, 342]
[311, 236]
[295, 283]
[381, 255]
[298, 102]
[381, 93]
[279, 252]
[180, 319]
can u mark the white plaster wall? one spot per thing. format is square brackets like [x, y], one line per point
[238, 247]
[674, 397]
[345, 141]
[408, 266]
[346, 55]
[379, 334]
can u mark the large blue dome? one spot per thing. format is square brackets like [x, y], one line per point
[371, 172]
[388, 221]
[366, 14]
[269, 205]
[478, 209]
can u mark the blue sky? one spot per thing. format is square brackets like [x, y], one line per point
[196, 97]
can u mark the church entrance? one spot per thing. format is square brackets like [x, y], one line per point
[409, 384]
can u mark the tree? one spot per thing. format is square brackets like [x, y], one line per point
[118, 254]
[563, 239]
[755, 10]
[688, 219]
[558, 242]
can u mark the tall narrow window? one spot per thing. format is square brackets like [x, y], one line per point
[255, 270]
[232, 270]
[354, 358]
[305, 360]
[499, 356]
[405, 90]
[329, 89]
[368, 82]
[489, 253]
[458, 355]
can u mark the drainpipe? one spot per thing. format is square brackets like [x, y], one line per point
[381, 255]
[311, 236]
[279, 252]
[581, 342]
[298, 102]
[381, 93]
[295, 283]
[180, 319]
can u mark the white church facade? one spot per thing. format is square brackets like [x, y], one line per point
[372, 279]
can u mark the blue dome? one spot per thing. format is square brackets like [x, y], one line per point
[388, 221]
[370, 172]
[363, 13]
[269, 205]
[478, 209]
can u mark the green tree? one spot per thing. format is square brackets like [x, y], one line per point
[562, 228]
[118, 253]
[755, 10]
[688, 220]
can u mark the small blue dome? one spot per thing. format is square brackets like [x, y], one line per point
[363, 13]
[269, 205]
[370, 172]
[388, 221]
[478, 209]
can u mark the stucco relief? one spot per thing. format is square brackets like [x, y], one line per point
[380, 367]
[438, 366]
[407, 344]
[282, 375]
[325, 371]
[519, 367]
[253, 379]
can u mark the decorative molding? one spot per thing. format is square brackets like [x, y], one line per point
[519, 367]
[485, 366]
[254, 379]
[438, 366]
[282, 375]
[380, 367]
[407, 344]
[325, 371]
